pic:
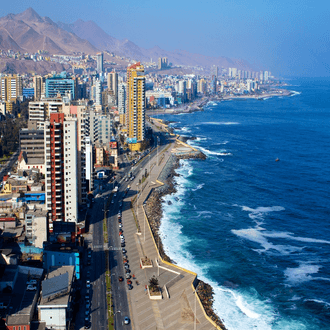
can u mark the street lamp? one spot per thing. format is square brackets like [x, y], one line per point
[115, 317]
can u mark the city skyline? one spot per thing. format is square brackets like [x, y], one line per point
[289, 40]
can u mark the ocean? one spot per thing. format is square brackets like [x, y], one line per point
[256, 229]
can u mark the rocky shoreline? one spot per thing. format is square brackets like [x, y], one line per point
[154, 211]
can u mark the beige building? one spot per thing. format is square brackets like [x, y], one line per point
[135, 106]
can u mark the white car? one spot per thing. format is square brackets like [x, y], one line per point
[122, 237]
[32, 282]
[31, 288]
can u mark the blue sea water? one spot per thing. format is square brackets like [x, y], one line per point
[256, 229]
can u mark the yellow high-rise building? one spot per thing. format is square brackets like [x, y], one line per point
[135, 106]
[11, 90]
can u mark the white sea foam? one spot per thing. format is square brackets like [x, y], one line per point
[294, 93]
[218, 123]
[296, 276]
[185, 129]
[200, 186]
[216, 153]
[204, 214]
[326, 304]
[258, 235]
[238, 309]
[211, 103]
[199, 139]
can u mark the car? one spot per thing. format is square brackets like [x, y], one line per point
[87, 325]
[124, 256]
[122, 244]
[112, 201]
[127, 276]
[88, 304]
[120, 204]
[127, 270]
[120, 279]
[126, 266]
[114, 195]
[31, 288]
[130, 286]
[120, 225]
[124, 250]
[126, 320]
[126, 179]
[87, 318]
[87, 312]
[122, 236]
[32, 282]
[132, 178]
[88, 284]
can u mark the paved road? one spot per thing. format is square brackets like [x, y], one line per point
[9, 164]
[98, 311]
[119, 289]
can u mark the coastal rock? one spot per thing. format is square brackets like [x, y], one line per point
[205, 293]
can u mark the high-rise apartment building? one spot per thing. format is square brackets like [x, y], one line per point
[39, 111]
[112, 81]
[39, 87]
[162, 63]
[135, 105]
[98, 92]
[122, 102]
[61, 169]
[99, 62]
[11, 90]
[60, 84]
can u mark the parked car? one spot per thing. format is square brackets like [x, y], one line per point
[124, 250]
[126, 266]
[128, 276]
[120, 225]
[120, 278]
[122, 244]
[88, 284]
[32, 282]
[31, 288]
[122, 236]
[88, 304]
[130, 286]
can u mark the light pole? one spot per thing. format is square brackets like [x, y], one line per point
[158, 252]
[149, 167]
[157, 150]
[116, 317]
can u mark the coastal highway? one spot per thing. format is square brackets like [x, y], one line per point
[119, 289]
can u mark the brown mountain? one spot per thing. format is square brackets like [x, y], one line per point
[100, 39]
[29, 32]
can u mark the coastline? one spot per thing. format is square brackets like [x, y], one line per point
[198, 105]
[154, 211]
[155, 204]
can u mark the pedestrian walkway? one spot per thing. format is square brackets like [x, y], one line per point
[181, 310]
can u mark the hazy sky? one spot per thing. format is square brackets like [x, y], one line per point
[289, 38]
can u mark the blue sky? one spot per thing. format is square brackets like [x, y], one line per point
[289, 38]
